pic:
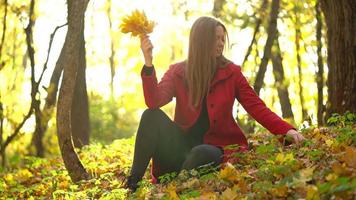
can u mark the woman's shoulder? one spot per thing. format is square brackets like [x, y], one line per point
[177, 68]
[234, 68]
[180, 64]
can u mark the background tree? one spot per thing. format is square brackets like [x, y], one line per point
[80, 109]
[112, 48]
[272, 32]
[320, 74]
[340, 17]
[71, 60]
[298, 39]
[281, 82]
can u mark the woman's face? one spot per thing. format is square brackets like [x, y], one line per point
[220, 41]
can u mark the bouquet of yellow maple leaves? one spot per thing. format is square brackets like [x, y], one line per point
[137, 24]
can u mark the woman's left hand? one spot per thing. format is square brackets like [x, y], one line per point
[296, 136]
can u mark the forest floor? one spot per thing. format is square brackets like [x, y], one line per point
[323, 167]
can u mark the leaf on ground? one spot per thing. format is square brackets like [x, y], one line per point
[171, 190]
[350, 157]
[229, 173]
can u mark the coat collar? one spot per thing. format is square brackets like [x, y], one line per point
[222, 73]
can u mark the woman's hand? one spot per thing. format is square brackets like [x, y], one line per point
[146, 47]
[295, 135]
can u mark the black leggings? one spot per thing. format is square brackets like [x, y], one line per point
[158, 137]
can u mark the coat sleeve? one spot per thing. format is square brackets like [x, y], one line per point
[257, 108]
[158, 94]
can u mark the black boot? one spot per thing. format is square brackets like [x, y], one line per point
[132, 183]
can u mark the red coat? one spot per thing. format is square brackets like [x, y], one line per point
[228, 84]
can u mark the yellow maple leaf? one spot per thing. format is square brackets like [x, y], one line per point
[229, 194]
[312, 193]
[171, 190]
[23, 175]
[279, 191]
[307, 173]
[229, 173]
[137, 24]
[208, 196]
[282, 158]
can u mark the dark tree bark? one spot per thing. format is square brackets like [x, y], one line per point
[71, 62]
[218, 7]
[80, 107]
[340, 17]
[272, 30]
[320, 73]
[282, 87]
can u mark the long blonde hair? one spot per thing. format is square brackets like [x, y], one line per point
[201, 64]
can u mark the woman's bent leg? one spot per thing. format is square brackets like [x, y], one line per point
[157, 137]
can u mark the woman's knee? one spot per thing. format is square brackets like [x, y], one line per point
[207, 152]
[202, 155]
[152, 114]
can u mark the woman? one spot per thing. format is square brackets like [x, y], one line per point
[205, 87]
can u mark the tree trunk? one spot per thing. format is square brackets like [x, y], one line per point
[72, 47]
[272, 30]
[340, 17]
[320, 73]
[281, 83]
[256, 30]
[46, 113]
[3, 32]
[80, 107]
[1, 132]
[36, 103]
[112, 49]
[298, 35]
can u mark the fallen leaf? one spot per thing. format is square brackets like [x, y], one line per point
[171, 190]
[279, 191]
[312, 193]
[229, 173]
[349, 157]
[229, 194]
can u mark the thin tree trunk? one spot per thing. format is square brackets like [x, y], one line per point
[46, 113]
[72, 47]
[10, 138]
[320, 73]
[34, 85]
[281, 83]
[298, 35]
[3, 32]
[113, 52]
[250, 127]
[340, 17]
[256, 30]
[272, 30]
[80, 107]
[1, 121]
[51, 98]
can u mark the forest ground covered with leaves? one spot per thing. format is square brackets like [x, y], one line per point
[323, 167]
